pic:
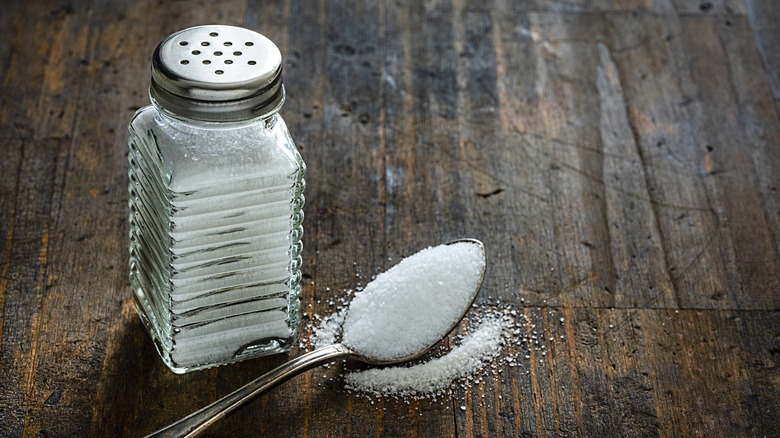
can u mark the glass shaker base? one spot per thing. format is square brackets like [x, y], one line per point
[254, 349]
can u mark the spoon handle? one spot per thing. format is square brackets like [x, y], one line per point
[195, 423]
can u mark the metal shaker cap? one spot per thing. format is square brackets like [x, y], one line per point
[217, 73]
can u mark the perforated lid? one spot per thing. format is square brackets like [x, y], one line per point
[217, 73]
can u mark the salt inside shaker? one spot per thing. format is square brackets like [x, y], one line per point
[216, 198]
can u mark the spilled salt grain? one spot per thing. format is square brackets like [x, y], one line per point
[433, 377]
[327, 333]
[415, 303]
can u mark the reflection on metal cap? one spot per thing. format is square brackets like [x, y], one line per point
[217, 73]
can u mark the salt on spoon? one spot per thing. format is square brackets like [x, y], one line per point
[397, 317]
[415, 303]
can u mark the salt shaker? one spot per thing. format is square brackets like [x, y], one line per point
[216, 198]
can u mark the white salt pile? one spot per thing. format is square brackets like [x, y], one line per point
[435, 377]
[416, 302]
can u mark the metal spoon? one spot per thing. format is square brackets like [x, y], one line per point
[197, 422]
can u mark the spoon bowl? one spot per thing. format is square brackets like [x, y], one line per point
[197, 422]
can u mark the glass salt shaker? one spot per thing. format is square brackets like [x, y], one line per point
[216, 198]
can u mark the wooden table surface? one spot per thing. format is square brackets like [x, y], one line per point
[619, 159]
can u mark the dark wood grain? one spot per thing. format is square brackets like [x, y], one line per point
[762, 14]
[620, 160]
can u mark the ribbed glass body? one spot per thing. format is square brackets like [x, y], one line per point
[215, 236]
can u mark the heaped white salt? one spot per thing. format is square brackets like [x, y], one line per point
[415, 303]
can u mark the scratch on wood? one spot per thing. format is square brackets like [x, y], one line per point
[486, 195]
[9, 240]
[630, 245]
[551, 364]
[575, 378]
[483, 420]
[40, 286]
[534, 381]
[604, 360]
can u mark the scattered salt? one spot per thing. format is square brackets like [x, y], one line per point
[435, 376]
[415, 303]
[327, 332]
